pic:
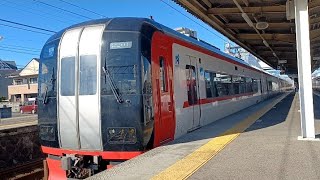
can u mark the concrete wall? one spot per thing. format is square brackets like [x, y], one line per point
[19, 145]
[14, 106]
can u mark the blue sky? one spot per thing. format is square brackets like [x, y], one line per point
[36, 13]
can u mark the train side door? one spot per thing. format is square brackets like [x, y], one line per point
[193, 91]
[162, 92]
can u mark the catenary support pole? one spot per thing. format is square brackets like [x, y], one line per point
[304, 69]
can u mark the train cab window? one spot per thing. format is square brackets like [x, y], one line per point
[67, 76]
[88, 75]
[191, 84]
[211, 89]
[163, 84]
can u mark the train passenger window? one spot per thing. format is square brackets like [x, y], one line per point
[255, 85]
[163, 84]
[236, 80]
[261, 89]
[248, 85]
[191, 84]
[88, 75]
[67, 76]
[242, 85]
[226, 80]
[211, 89]
[269, 86]
[224, 84]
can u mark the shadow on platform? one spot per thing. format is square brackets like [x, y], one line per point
[278, 113]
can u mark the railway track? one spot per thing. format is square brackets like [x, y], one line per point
[30, 170]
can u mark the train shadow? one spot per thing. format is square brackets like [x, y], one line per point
[277, 115]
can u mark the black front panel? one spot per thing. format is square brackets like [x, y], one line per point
[126, 55]
[47, 95]
[121, 104]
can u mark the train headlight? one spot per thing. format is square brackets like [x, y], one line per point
[47, 133]
[125, 135]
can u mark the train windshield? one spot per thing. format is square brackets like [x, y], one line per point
[121, 64]
[47, 70]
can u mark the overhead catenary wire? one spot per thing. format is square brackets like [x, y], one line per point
[85, 9]
[25, 25]
[43, 15]
[20, 49]
[20, 52]
[17, 39]
[24, 29]
[61, 9]
[23, 47]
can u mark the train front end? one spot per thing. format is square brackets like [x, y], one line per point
[95, 97]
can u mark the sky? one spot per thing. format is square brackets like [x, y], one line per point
[22, 45]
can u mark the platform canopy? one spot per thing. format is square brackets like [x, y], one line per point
[265, 28]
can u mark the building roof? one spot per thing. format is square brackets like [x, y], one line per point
[7, 65]
[12, 63]
[32, 68]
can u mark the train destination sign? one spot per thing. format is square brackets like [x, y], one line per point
[121, 45]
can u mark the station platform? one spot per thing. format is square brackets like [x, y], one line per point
[18, 120]
[260, 142]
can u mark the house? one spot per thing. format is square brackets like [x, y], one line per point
[25, 84]
[7, 68]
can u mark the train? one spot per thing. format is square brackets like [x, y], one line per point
[111, 89]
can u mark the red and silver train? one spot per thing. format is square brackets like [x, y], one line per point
[111, 89]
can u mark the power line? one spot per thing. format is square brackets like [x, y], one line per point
[18, 52]
[24, 29]
[35, 11]
[83, 8]
[14, 39]
[194, 21]
[62, 9]
[20, 49]
[20, 24]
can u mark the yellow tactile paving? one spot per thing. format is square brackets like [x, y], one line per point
[191, 163]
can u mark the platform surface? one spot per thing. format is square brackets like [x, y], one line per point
[18, 120]
[269, 149]
[242, 146]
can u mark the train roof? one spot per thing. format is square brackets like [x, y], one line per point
[134, 24]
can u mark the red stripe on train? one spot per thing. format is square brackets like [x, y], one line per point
[110, 155]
